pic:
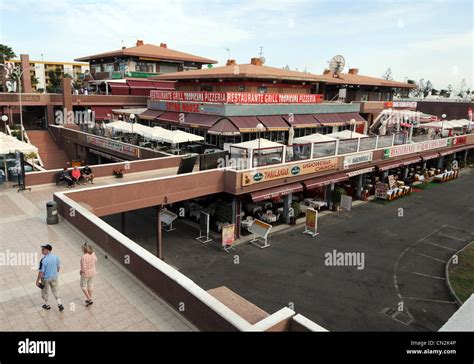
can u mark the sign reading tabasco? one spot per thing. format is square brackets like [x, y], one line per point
[273, 173]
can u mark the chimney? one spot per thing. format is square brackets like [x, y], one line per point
[231, 62]
[139, 43]
[353, 71]
[256, 61]
[163, 45]
[326, 72]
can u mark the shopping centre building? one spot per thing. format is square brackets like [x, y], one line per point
[274, 144]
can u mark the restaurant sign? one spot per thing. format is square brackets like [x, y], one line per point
[414, 148]
[274, 173]
[235, 97]
[357, 159]
[114, 145]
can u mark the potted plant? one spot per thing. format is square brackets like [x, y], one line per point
[118, 172]
[336, 197]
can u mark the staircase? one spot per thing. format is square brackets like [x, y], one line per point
[52, 156]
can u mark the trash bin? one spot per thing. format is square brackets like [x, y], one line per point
[51, 213]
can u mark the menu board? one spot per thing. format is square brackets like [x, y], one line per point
[381, 190]
[228, 235]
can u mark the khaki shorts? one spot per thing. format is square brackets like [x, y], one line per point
[50, 283]
[87, 283]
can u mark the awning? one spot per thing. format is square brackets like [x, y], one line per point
[165, 85]
[428, 156]
[245, 124]
[118, 88]
[276, 192]
[199, 120]
[446, 152]
[169, 117]
[274, 122]
[384, 166]
[141, 84]
[325, 180]
[302, 121]
[150, 114]
[224, 127]
[338, 119]
[102, 112]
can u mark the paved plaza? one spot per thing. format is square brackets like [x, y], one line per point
[120, 301]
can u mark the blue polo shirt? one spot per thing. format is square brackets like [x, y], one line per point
[49, 266]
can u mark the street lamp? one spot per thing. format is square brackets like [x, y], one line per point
[19, 97]
[5, 119]
[352, 123]
[132, 119]
[260, 127]
[443, 118]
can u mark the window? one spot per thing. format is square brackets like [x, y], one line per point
[109, 67]
[145, 67]
[262, 89]
[207, 88]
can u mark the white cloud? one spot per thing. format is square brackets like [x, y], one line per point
[447, 43]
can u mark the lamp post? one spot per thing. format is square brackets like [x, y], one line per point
[19, 97]
[260, 127]
[352, 123]
[5, 120]
[132, 119]
[443, 118]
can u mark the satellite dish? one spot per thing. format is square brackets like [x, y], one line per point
[336, 64]
[262, 59]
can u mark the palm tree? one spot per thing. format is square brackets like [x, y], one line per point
[6, 53]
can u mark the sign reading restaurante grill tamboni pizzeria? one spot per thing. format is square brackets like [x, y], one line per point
[286, 171]
[415, 148]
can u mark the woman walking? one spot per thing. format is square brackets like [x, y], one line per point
[88, 272]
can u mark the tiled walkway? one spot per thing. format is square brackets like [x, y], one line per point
[120, 301]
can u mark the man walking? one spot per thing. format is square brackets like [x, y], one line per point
[48, 276]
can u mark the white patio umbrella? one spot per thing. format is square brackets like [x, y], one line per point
[314, 138]
[9, 144]
[347, 134]
[119, 125]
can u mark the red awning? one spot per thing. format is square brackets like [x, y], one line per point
[302, 121]
[338, 119]
[224, 127]
[102, 112]
[384, 166]
[276, 192]
[200, 120]
[446, 152]
[274, 122]
[245, 123]
[141, 84]
[150, 114]
[169, 117]
[325, 180]
[118, 88]
[428, 156]
[163, 85]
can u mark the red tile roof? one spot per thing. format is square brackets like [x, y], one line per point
[151, 51]
[252, 71]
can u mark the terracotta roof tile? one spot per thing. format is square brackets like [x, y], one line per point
[151, 51]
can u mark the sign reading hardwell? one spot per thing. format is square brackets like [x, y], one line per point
[114, 145]
[235, 97]
[415, 148]
[285, 171]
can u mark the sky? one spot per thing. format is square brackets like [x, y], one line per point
[429, 39]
